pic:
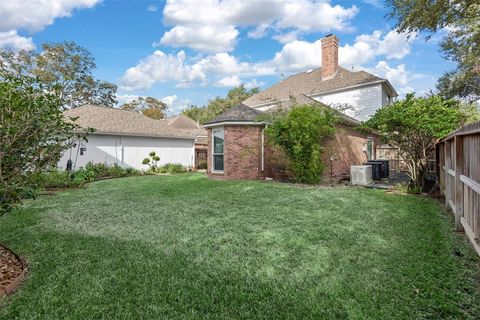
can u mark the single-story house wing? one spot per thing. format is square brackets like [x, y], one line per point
[125, 138]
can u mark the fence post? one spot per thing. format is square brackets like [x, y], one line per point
[446, 152]
[459, 189]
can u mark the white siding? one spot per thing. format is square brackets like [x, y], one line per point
[129, 151]
[366, 100]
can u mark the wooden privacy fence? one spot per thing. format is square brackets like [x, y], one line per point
[458, 171]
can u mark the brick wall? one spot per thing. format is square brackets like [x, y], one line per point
[346, 147]
[242, 153]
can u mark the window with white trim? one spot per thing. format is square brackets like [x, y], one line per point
[218, 147]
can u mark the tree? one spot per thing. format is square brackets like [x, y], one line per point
[414, 125]
[300, 131]
[148, 106]
[64, 70]
[219, 105]
[461, 20]
[33, 135]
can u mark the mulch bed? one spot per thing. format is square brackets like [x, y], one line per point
[12, 271]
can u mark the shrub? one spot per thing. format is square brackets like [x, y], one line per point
[300, 132]
[408, 188]
[172, 168]
[152, 161]
[98, 169]
[116, 171]
[91, 172]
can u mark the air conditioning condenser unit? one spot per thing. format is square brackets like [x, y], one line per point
[361, 175]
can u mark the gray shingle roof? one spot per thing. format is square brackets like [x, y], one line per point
[238, 113]
[243, 113]
[310, 83]
[116, 121]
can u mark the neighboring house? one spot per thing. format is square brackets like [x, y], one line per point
[201, 143]
[330, 84]
[237, 147]
[126, 138]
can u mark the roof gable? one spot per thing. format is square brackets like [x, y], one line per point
[311, 83]
[182, 122]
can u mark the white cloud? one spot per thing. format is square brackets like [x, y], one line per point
[298, 56]
[11, 39]
[161, 67]
[204, 38]
[375, 3]
[254, 84]
[194, 22]
[302, 55]
[174, 104]
[169, 100]
[259, 32]
[366, 47]
[295, 56]
[286, 37]
[125, 98]
[228, 82]
[34, 15]
[401, 78]
[152, 8]
[398, 75]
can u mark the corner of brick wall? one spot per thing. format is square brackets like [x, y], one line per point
[242, 152]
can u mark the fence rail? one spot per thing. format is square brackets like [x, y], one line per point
[458, 171]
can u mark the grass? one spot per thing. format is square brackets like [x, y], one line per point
[185, 247]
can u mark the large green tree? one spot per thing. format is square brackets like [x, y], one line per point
[33, 135]
[219, 105]
[64, 70]
[460, 21]
[148, 106]
[413, 125]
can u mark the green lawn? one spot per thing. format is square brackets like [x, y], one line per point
[186, 247]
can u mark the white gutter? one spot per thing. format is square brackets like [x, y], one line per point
[135, 135]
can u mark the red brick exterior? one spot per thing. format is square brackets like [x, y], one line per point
[242, 152]
[243, 147]
[329, 56]
[347, 149]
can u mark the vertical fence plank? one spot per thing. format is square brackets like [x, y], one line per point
[446, 150]
[459, 160]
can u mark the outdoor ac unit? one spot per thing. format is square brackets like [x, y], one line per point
[361, 175]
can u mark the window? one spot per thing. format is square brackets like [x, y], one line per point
[218, 139]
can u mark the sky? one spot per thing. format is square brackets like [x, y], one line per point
[187, 52]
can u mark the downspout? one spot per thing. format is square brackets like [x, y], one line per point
[263, 148]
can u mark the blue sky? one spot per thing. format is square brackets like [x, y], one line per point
[189, 51]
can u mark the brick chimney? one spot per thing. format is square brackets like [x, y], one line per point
[329, 56]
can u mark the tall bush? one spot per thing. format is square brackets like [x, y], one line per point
[33, 135]
[300, 131]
